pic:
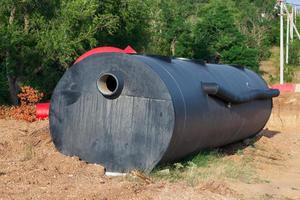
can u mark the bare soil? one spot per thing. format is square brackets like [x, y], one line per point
[31, 168]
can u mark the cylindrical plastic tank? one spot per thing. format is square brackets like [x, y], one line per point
[133, 111]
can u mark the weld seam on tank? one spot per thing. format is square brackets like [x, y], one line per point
[172, 77]
[146, 98]
[182, 96]
[157, 62]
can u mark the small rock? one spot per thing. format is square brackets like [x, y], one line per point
[164, 172]
[247, 142]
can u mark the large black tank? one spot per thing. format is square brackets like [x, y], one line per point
[133, 111]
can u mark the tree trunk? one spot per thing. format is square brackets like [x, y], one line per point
[12, 80]
[12, 15]
[13, 89]
[26, 21]
[173, 46]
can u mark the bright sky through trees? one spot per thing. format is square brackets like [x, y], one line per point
[294, 1]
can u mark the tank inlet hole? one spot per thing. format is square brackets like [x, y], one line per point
[108, 85]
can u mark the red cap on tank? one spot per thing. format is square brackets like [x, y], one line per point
[106, 49]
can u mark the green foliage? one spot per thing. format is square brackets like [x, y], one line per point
[289, 72]
[294, 53]
[40, 39]
[132, 23]
[294, 61]
[4, 95]
[243, 56]
[71, 31]
[205, 166]
[215, 30]
[171, 27]
[218, 38]
[260, 26]
[176, 171]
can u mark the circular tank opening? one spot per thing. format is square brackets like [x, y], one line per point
[109, 85]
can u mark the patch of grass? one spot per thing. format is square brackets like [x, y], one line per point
[267, 196]
[28, 152]
[289, 69]
[266, 181]
[177, 170]
[239, 171]
[207, 165]
[203, 159]
[240, 152]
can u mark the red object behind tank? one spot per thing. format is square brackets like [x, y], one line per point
[127, 50]
[42, 110]
[287, 87]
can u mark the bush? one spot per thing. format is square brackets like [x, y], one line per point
[26, 111]
[243, 56]
[294, 53]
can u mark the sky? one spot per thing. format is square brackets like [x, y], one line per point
[294, 1]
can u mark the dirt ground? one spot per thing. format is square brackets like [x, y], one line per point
[31, 168]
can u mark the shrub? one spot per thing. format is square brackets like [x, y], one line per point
[26, 111]
[244, 56]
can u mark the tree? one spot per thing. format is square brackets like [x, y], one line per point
[257, 26]
[132, 23]
[217, 37]
[243, 56]
[171, 27]
[46, 36]
[16, 42]
[40, 39]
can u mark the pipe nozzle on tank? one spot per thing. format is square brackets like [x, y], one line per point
[110, 85]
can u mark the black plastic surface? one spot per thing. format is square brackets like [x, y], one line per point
[213, 89]
[162, 113]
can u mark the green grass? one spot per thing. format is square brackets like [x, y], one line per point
[207, 165]
[28, 152]
[290, 71]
